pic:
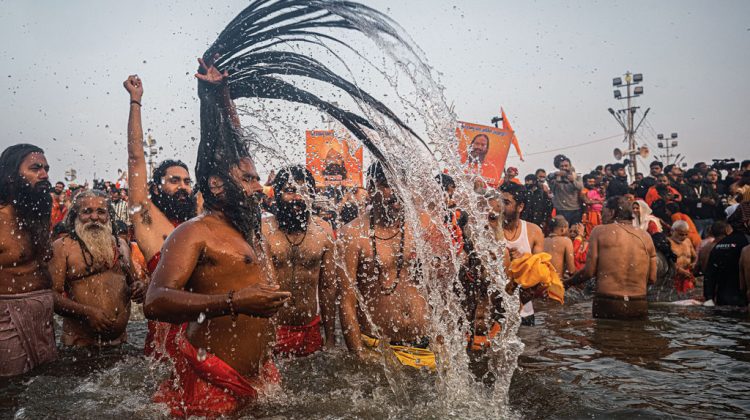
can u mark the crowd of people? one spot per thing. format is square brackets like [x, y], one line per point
[232, 273]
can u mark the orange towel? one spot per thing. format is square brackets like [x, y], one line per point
[533, 269]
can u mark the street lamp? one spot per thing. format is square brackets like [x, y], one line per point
[667, 144]
[628, 81]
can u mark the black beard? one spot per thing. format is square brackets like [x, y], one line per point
[290, 219]
[33, 208]
[385, 211]
[178, 207]
[242, 211]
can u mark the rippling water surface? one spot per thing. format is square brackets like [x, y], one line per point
[682, 362]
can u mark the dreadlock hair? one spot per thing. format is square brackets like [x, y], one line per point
[248, 49]
[33, 206]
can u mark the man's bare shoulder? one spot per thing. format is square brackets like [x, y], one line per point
[534, 229]
[200, 225]
[269, 224]
[354, 229]
[322, 227]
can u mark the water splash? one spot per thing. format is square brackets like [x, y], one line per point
[262, 49]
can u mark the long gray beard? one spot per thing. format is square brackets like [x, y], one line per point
[99, 241]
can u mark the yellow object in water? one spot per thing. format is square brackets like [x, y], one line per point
[408, 356]
[533, 269]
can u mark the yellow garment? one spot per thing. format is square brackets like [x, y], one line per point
[533, 269]
[408, 356]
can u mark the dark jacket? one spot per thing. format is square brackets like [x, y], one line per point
[618, 186]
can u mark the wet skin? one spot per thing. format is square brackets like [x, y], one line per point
[202, 261]
[402, 314]
[560, 247]
[151, 225]
[307, 271]
[20, 270]
[622, 258]
[97, 306]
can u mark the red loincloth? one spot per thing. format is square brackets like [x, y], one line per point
[683, 282]
[299, 340]
[209, 388]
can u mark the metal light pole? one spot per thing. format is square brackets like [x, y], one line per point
[627, 122]
[670, 143]
[151, 151]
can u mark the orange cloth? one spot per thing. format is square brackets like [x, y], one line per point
[533, 269]
[209, 387]
[693, 234]
[591, 219]
[513, 139]
[161, 337]
[299, 340]
[653, 195]
[580, 250]
[58, 213]
[481, 342]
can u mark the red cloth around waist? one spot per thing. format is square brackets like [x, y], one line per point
[300, 340]
[161, 339]
[153, 262]
[209, 387]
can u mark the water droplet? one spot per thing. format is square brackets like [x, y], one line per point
[201, 354]
[201, 317]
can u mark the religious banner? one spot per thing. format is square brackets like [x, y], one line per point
[484, 149]
[333, 162]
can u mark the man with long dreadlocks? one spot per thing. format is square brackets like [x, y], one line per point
[380, 261]
[302, 250]
[157, 207]
[215, 275]
[27, 339]
[92, 275]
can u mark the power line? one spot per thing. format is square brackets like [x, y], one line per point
[573, 145]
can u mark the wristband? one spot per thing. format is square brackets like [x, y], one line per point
[133, 101]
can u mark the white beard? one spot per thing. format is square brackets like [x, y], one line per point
[99, 242]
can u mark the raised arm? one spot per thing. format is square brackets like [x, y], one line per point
[137, 173]
[209, 74]
[166, 299]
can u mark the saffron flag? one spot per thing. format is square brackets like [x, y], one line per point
[509, 129]
[332, 161]
[484, 150]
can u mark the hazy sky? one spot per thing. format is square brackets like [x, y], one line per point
[549, 64]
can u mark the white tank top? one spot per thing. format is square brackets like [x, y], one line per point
[523, 246]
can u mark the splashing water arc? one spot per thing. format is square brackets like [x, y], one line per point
[259, 49]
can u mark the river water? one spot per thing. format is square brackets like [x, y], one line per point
[681, 362]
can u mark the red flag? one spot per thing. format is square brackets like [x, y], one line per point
[513, 139]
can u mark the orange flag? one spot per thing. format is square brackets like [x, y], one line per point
[513, 139]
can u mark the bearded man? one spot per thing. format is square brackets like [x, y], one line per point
[27, 339]
[92, 275]
[216, 275]
[156, 207]
[302, 251]
[380, 261]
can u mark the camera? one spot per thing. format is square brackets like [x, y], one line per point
[725, 164]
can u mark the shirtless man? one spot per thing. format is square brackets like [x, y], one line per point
[560, 247]
[158, 207]
[379, 260]
[686, 257]
[27, 339]
[215, 274]
[623, 260]
[302, 251]
[92, 275]
[521, 237]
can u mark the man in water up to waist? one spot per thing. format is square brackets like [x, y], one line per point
[157, 206]
[92, 275]
[302, 250]
[215, 273]
[27, 339]
[521, 237]
[623, 260]
[380, 261]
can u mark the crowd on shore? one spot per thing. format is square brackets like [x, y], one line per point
[233, 273]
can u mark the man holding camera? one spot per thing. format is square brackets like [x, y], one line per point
[566, 186]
